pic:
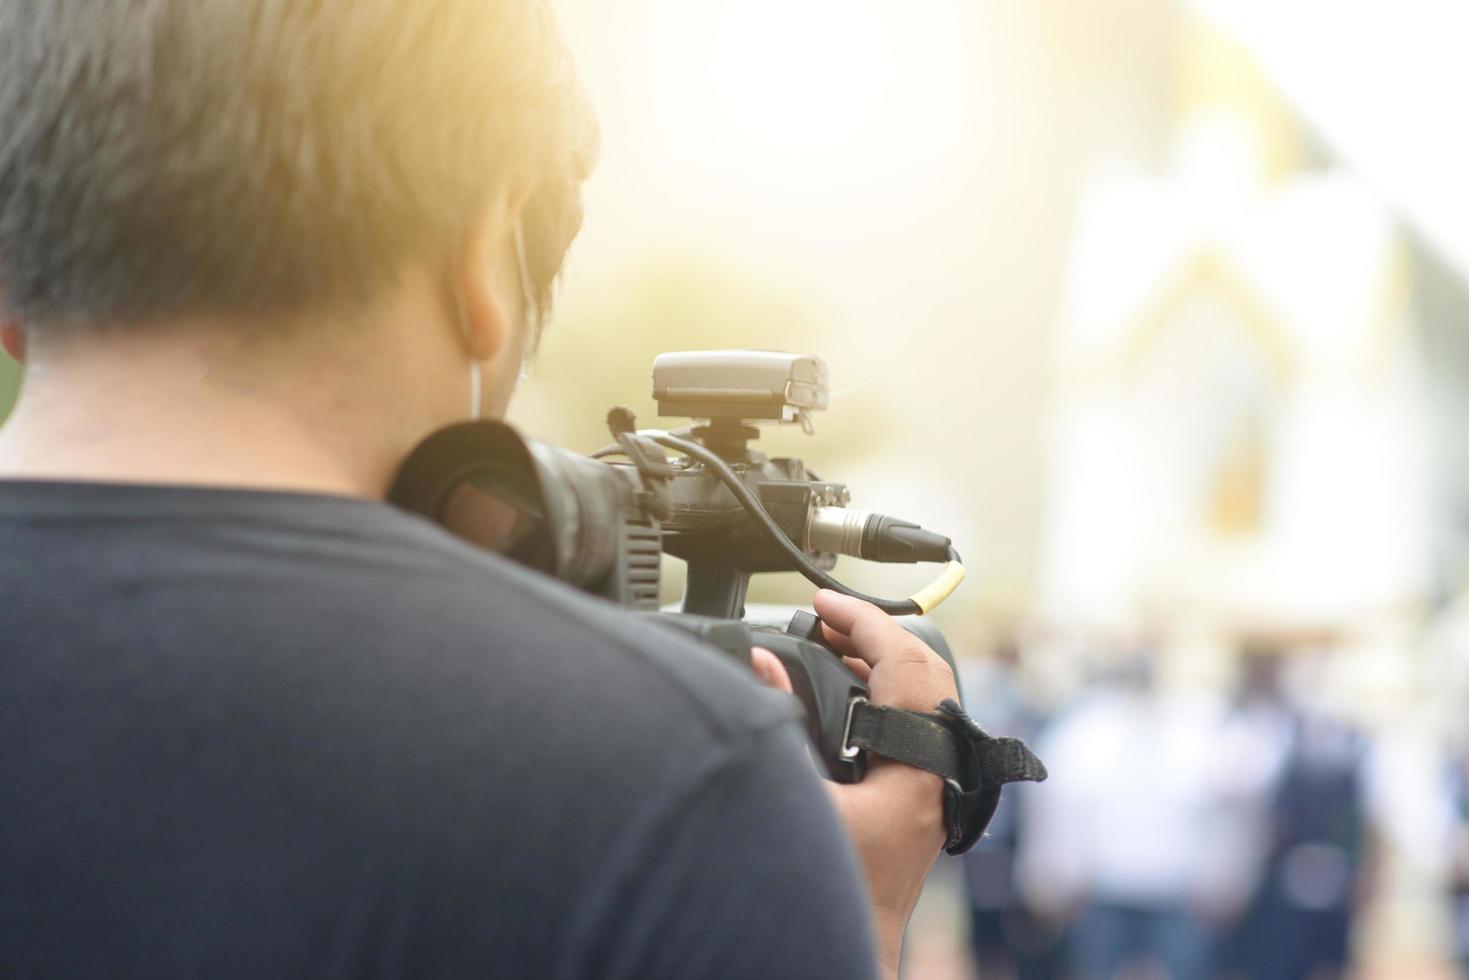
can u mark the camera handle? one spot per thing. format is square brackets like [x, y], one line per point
[844, 727]
[825, 688]
[716, 590]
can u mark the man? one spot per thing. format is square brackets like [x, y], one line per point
[255, 723]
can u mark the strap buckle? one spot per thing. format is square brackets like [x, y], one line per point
[848, 751]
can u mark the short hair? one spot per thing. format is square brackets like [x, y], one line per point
[164, 157]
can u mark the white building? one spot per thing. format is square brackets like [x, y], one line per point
[1239, 422]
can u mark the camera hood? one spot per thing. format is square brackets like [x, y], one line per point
[548, 508]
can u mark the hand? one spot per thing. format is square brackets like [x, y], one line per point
[895, 815]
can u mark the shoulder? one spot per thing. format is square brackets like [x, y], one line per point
[499, 625]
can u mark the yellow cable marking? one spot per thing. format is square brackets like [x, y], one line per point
[928, 597]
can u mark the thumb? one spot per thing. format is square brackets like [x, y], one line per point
[771, 672]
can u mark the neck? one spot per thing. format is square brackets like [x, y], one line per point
[204, 407]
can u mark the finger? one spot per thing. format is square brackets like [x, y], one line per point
[771, 672]
[842, 644]
[838, 641]
[875, 636]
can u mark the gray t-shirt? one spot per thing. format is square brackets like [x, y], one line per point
[249, 734]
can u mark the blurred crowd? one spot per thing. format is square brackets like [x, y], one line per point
[1196, 831]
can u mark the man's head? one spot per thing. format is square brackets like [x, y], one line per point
[274, 162]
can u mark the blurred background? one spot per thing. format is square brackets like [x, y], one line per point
[1160, 309]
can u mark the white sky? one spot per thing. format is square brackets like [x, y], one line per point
[1385, 84]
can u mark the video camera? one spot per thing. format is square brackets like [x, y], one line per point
[727, 510]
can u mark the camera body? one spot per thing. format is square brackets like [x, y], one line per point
[602, 523]
[703, 523]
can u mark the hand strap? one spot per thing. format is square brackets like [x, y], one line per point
[947, 742]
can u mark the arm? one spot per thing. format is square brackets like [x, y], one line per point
[895, 815]
[746, 874]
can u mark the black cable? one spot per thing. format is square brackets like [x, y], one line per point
[616, 448]
[751, 503]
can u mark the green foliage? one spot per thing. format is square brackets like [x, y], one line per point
[9, 385]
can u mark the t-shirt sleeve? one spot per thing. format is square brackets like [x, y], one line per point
[742, 872]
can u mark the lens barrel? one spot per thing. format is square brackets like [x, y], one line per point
[554, 510]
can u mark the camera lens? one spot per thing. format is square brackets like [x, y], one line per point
[544, 507]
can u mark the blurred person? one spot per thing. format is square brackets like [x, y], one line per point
[1458, 848]
[1262, 723]
[1442, 814]
[1147, 839]
[1007, 938]
[257, 723]
[1299, 921]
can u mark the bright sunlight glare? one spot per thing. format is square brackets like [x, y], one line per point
[819, 93]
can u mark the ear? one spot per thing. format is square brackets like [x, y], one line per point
[486, 323]
[488, 279]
